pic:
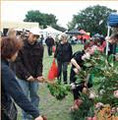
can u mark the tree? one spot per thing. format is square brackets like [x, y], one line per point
[92, 19]
[42, 18]
[59, 27]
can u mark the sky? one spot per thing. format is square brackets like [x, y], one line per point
[63, 10]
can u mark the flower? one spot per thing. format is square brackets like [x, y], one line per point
[99, 105]
[116, 94]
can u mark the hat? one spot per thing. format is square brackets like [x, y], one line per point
[34, 31]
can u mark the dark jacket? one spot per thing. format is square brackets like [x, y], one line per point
[29, 61]
[63, 52]
[112, 49]
[12, 89]
[49, 41]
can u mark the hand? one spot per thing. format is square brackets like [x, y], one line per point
[30, 78]
[39, 118]
[40, 79]
[86, 56]
[76, 70]
[73, 86]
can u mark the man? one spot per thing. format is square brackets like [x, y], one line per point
[49, 42]
[29, 69]
[63, 55]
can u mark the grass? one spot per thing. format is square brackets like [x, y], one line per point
[49, 106]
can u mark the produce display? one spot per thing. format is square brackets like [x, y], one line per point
[105, 70]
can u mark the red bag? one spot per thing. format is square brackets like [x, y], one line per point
[53, 49]
[53, 71]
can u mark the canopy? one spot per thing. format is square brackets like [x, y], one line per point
[84, 35]
[51, 30]
[113, 20]
[83, 32]
[74, 32]
[36, 29]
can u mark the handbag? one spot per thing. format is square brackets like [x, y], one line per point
[9, 112]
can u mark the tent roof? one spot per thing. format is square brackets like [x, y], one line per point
[74, 32]
[82, 31]
[51, 30]
[113, 20]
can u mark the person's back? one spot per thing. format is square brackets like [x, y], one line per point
[5, 98]
[49, 41]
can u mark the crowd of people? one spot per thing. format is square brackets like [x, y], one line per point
[22, 69]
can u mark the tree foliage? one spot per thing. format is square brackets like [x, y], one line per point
[92, 19]
[43, 19]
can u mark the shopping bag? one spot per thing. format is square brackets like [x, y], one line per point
[52, 74]
[53, 49]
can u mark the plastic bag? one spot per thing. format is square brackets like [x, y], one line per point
[53, 49]
[52, 74]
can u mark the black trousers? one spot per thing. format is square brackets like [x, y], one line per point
[77, 90]
[62, 67]
[79, 87]
[49, 50]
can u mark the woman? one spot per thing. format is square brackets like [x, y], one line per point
[11, 90]
[63, 55]
[77, 64]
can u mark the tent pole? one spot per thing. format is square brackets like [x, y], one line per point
[107, 43]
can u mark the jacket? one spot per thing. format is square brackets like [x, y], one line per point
[12, 90]
[49, 41]
[29, 61]
[63, 52]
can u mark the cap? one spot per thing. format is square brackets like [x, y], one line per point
[34, 31]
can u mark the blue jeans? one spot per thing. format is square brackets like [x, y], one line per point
[30, 90]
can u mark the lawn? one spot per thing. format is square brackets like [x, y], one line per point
[49, 106]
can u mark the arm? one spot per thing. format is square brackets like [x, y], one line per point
[56, 52]
[73, 61]
[71, 52]
[12, 87]
[20, 66]
[40, 63]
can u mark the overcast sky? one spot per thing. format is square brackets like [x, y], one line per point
[64, 10]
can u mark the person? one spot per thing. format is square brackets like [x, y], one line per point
[63, 55]
[11, 33]
[49, 42]
[10, 88]
[113, 44]
[29, 68]
[41, 39]
[102, 44]
[77, 64]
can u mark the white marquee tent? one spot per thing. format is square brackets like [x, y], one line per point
[51, 31]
